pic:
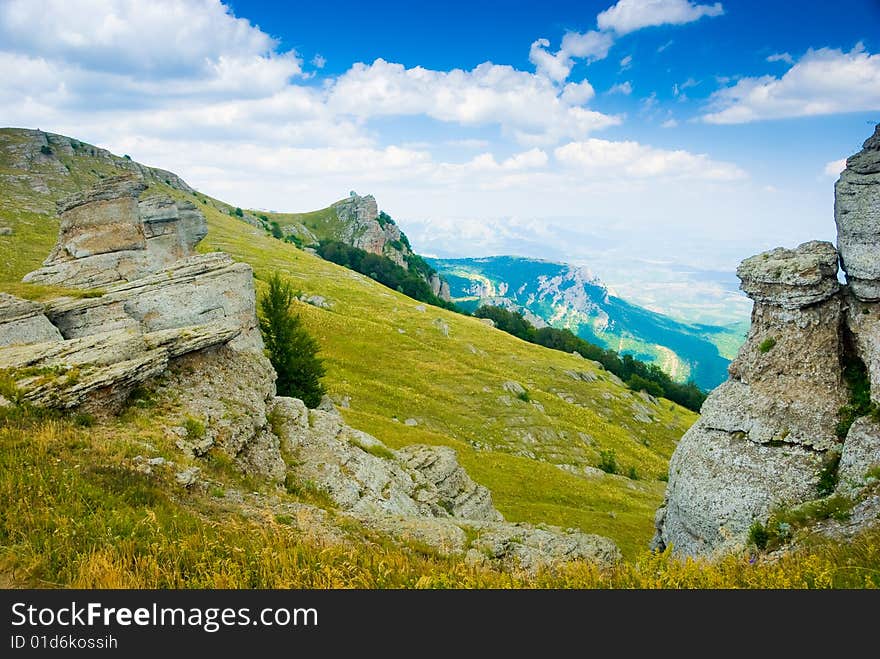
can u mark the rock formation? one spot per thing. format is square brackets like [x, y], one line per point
[164, 313]
[419, 493]
[362, 228]
[185, 327]
[766, 435]
[107, 236]
[857, 214]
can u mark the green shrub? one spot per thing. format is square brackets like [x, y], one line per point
[292, 350]
[524, 396]
[238, 212]
[46, 150]
[632, 473]
[758, 535]
[608, 461]
[195, 429]
[767, 345]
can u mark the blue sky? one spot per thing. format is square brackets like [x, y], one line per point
[656, 141]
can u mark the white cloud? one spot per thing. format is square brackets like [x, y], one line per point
[834, 167]
[824, 81]
[630, 15]
[626, 63]
[578, 93]
[319, 61]
[624, 88]
[588, 46]
[664, 46]
[527, 106]
[781, 57]
[197, 40]
[631, 159]
[669, 123]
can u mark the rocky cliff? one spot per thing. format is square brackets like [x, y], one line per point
[155, 316]
[771, 437]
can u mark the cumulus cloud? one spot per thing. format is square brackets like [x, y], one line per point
[624, 88]
[529, 107]
[781, 57]
[635, 160]
[162, 39]
[825, 81]
[589, 46]
[834, 167]
[669, 123]
[629, 15]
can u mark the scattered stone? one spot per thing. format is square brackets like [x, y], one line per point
[6, 231]
[442, 326]
[411, 422]
[420, 307]
[316, 301]
[514, 387]
[188, 477]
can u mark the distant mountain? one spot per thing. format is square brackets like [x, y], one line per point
[569, 297]
[355, 221]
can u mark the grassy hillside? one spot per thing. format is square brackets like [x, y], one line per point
[395, 361]
[77, 513]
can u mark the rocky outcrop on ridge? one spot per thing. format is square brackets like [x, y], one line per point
[107, 236]
[362, 228]
[165, 313]
[419, 493]
[770, 433]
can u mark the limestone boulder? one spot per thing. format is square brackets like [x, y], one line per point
[720, 483]
[23, 322]
[107, 236]
[791, 278]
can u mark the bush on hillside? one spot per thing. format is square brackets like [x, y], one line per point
[292, 350]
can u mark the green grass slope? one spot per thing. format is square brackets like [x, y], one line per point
[397, 362]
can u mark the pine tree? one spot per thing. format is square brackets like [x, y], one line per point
[292, 350]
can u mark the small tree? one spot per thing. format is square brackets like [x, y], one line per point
[292, 350]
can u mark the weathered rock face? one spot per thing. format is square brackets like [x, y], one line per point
[187, 320]
[857, 214]
[22, 322]
[107, 236]
[861, 453]
[765, 435]
[419, 493]
[791, 278]
[363, 229]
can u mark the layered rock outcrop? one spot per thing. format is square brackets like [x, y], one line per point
[164, 313]
[419, 493]
[767, 435]
[107, 236]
